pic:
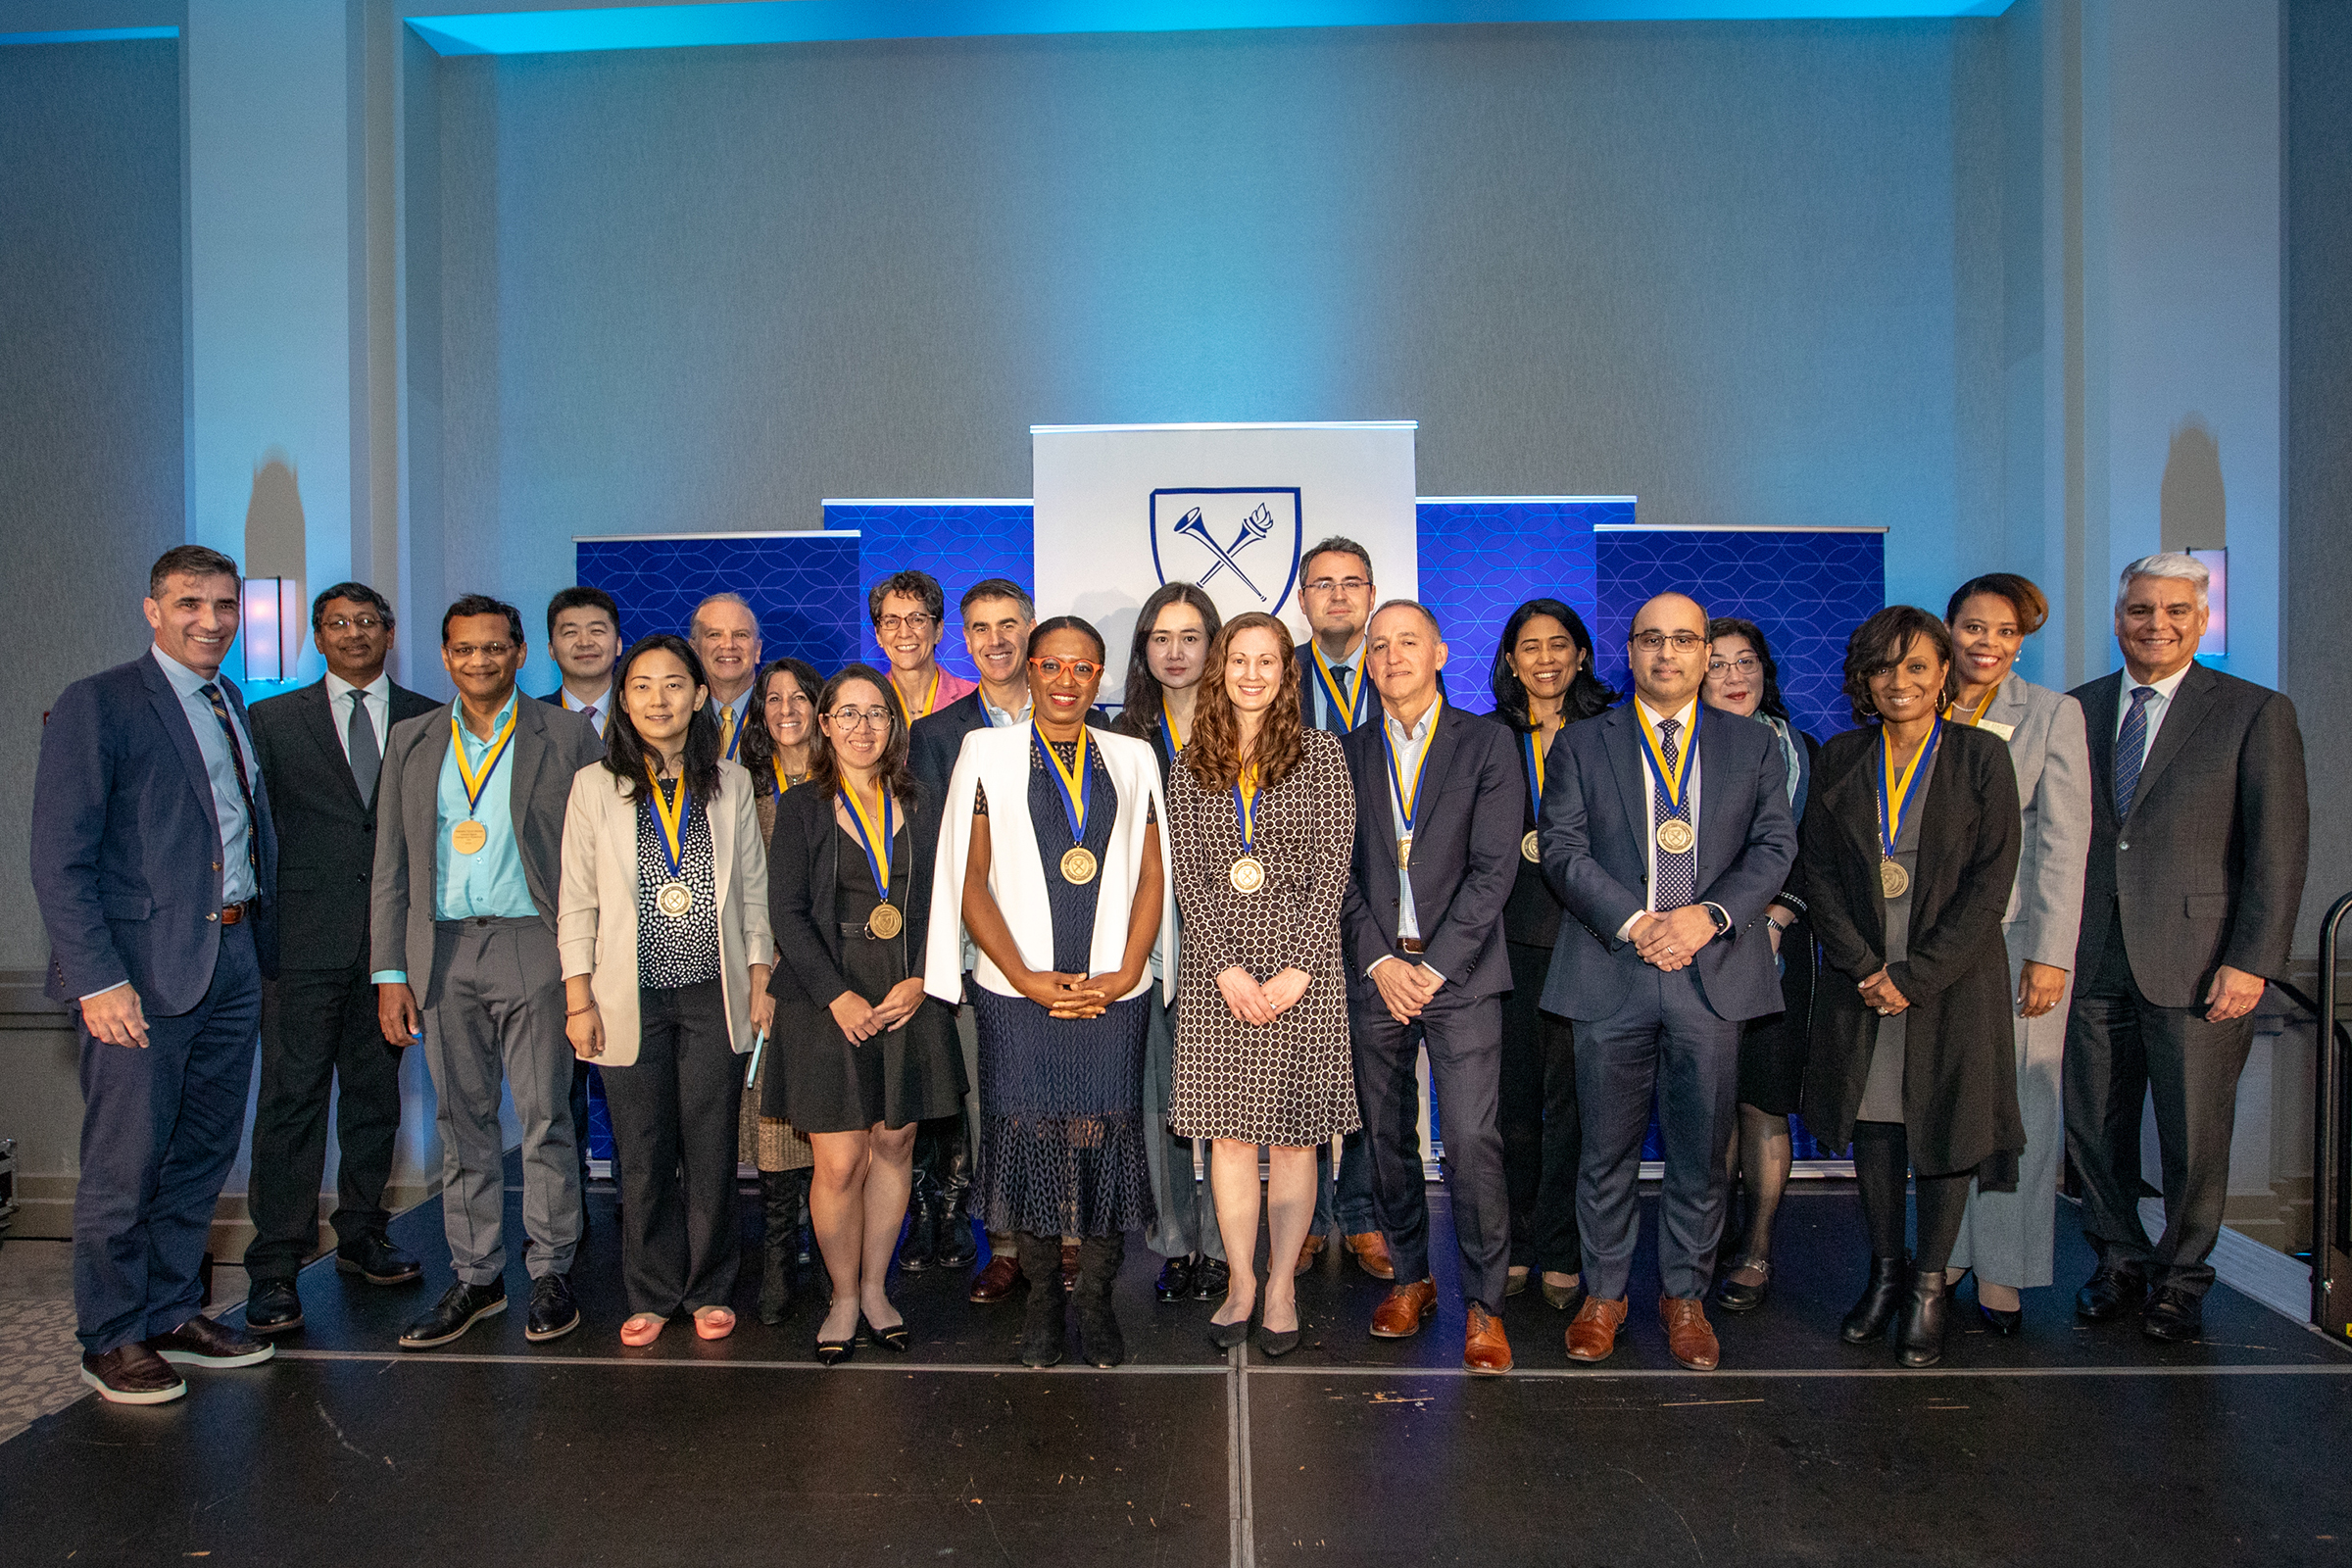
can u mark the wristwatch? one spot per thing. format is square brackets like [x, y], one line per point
[1717, 913]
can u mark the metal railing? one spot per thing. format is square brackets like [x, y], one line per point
[2330, 1234]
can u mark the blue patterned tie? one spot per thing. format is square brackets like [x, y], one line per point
[1677, 874]
[236, 758]
[2131, 750]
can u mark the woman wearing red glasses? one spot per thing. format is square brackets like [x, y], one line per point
[1051, 847]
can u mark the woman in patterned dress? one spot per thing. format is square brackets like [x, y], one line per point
[1261, 816]
[1052, 847]
[661, 922]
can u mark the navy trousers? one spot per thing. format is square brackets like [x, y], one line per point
[160, 1128]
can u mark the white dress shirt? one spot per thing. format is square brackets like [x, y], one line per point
[2158, 706]
[1683, 740]
[998, 718]
[1410, 746]
[376, 693]
[595, 708]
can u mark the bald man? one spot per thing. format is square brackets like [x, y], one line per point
[1665, 830]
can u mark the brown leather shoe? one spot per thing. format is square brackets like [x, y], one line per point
[1689, 1339]
[999, 1280]
[1597, 1328]
[1484, 1348]
[1371, 1249]
[1404, 1310]
[1308, 1252]
[1069, 1265]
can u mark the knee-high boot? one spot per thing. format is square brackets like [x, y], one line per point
[780, 1209]
[1042, 1320]
[1099, 1260]
[919, 1248]
[952, 1182]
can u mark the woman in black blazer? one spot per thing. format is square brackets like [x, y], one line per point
[861, 1054]
[1905, 856]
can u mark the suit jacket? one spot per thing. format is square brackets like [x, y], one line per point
[1959, 1047]
[1465, 853]
[550, 747]
[596, 920]
[937, 740]
[2048, 753]
[2208, 869]
[1594, 838]
[121, 818]
[804, 863]
[1306, 690]
[325, 833]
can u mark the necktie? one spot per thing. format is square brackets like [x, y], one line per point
[1677, 874]
[236, 756]
[726, 731]
[2131, 750]
[1338, 723]
[360, 737]
[589, 713]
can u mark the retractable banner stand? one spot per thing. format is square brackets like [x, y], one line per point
[1121, 509]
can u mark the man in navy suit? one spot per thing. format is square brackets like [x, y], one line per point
[1666, 832]
[153, 862]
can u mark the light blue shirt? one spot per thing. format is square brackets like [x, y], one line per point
[1353, 681]
[741, 707]
[998, 718]
[228, 801]
[2157, 707]
[489, 881]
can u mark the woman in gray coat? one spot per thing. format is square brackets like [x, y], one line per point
[2008, 1237]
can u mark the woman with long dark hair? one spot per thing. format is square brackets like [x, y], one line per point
[1542, 682]
[1173, 632]
[662, 925]
[1742, 678]
[862, 1053]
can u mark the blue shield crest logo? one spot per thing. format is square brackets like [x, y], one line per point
[1240, 544]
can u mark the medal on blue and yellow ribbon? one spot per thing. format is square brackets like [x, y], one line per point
[1530, 849]
[1248, 873]
[675, 899]
[468, 835]
[1895, 801]
[1076, 785]
[1167, 717]
[884, 922]
[1408, 798]
[1348, 706]
[1675, 833]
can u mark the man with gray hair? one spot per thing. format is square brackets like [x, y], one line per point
[725, 633]
[2200, 832]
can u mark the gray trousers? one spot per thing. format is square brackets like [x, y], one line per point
[497, 1013]
[2011, 1238]
[1187, 1221]
[1663, 1038]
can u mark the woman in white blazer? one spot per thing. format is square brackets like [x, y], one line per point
[2008, 1238]
[663, 932]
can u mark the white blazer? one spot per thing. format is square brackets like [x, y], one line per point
[1016, 877]
[595, 914]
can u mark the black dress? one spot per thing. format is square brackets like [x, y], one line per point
[1061, 1144]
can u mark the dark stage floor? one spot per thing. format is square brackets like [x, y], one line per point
[2069, 1444]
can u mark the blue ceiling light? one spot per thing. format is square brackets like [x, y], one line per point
[87, 35]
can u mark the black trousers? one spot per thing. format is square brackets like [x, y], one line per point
[319, 1041]
[673, 1124]
[1542, 1137]
[2121, 1050]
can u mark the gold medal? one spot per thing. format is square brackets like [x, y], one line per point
[1248, 874]
[1675, 835]
[469, 837]
[1078, 866]
[884, 922]
[1894, 880]
[1529, 851]
[674, 899]
[1404, 851]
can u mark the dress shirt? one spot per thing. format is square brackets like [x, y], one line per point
[998, 718]
[490, 881]
[741, 707]
[2158, 706]
[376, 693]
[1410, 746]
[572, 704]
[228, 801]
[1683, 741]
[1321, 713]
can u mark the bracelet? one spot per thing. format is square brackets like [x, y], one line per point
[1777, 925]
[577, 1012]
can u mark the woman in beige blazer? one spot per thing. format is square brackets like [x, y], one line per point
[663, 929]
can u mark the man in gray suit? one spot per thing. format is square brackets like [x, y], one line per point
[1666, 832]
[468, 850]
[2200, 832]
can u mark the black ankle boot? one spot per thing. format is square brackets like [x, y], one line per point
[1889, 1277]
[956, 1247]
[780, 1208]
[1099, 1260]
[1042, 1318]
[1919, 1336]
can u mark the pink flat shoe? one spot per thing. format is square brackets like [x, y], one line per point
[714, 1322]
[642, 1329]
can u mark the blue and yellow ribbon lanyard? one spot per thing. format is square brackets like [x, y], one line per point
[1895, 801]
[469, 836]
[1675, 833]
[884, 922]
[1076, 785]
[675, 898]
[1349, 707]
[1168, 717]
[783, 783]
[1530, 849]
[930, 701]
[1248, 873]
[1408, 798]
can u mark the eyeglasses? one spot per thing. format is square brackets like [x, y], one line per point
[343, 624]
[1052, 668]
[917, 623]
[1745, 664]
[1334, 585]
[462, 651]
[860, 717]
[1649, 642]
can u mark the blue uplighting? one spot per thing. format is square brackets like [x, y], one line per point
[87, 35]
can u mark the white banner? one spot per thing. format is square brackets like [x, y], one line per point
[1121, 509]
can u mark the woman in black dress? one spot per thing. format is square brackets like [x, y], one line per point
[1905, 858]
[1542, 681]
[861, 1054]
[1741, 678]
[1052, 847]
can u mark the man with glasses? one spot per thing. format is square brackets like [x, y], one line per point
[1335, 594]
[321, 751]
[468, 861]
[1664, 954]
[583, 634]
[726, 635]
[908, 609]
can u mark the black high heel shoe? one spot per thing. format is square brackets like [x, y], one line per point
[892, 1338]
[2005, 1324]
[832, 1352]
[1882, 1295]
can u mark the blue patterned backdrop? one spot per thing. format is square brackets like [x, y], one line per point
[802, 586]
[958, 542]
[1482, 556]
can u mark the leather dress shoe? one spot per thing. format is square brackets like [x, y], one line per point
[374, 1259]
[201, 1341]
[1175, 1282]
[1563, 1298]
[272, 1308]
[460, 1307]
[1310, 1251]
[1735, 1296]
[554, 1313]
[1485, 1350]
[1690, 1339]
[1404, 1310]
[2109, 1293]
[2173, 1315]
[1209, 1279]
[1371, 1249]
[997, 1282]
[133, 1374]
[1597, 1328]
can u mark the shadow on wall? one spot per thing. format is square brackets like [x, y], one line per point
[273, 535]
[2193, 512]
